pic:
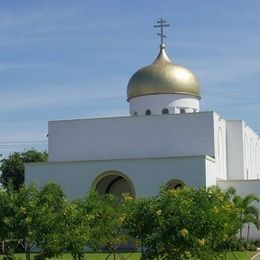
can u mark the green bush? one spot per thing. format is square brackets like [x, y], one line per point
[256, 243]
[237, 244]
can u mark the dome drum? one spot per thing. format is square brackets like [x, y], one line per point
[164, 104]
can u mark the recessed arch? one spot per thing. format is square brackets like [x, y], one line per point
[165, 111]
[148, 112]
[251, 156]
[246, 156]
[182, 111]
[220, 154]
[113, 182]
[174, 184]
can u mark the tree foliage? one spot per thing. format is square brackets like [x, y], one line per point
[76, 232]
[12, 167]
[182, 223]
[25, 220]
[94, 221]
[141, 220]
[248, 212]
[176, 224]
[7, 213]
[105, 220]
[32, 216]
[52, 205]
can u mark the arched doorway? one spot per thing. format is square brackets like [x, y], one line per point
[174, 184]
[115, 183]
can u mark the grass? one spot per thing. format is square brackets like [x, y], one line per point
[136, 256]
[90, 256]
[240, 255]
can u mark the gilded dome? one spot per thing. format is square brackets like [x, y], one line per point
[162, 77]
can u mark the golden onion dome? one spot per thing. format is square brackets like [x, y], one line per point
[163, 77]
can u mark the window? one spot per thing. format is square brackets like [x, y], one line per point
[182, 110]
[165, 111]
[148, 112]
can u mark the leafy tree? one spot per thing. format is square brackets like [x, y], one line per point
[33, 216]
[248, 213]
[7, 213]
[25, 220]
[51, 208]
[105, 220]
[12, 167]
[183, 223]
[93, 221]
[141, 221]
[76, 232]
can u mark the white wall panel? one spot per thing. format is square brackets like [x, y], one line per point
[132, 137]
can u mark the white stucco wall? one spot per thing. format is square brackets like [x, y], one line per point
[251, 143]
[220, 146]
[211, 171]
[146, 175]
[242, 151]
[132, 137]
[156, 103]
[235, 152]
[244, 187]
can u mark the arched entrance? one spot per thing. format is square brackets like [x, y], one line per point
[174, 184]
[115, 183]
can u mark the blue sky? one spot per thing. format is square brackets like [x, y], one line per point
[73, 59]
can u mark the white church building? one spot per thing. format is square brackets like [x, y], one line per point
[166, 140]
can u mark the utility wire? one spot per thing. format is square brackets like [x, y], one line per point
[22, 144]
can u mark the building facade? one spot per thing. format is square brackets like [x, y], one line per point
[166, 140]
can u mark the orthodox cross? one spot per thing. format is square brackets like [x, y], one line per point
[161, 23]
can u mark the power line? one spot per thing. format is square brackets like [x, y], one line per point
[18, 147]
[22, 144]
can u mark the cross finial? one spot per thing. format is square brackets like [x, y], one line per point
[161, 23]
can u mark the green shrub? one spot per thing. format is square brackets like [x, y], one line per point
[237, 244]
[256, 243]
